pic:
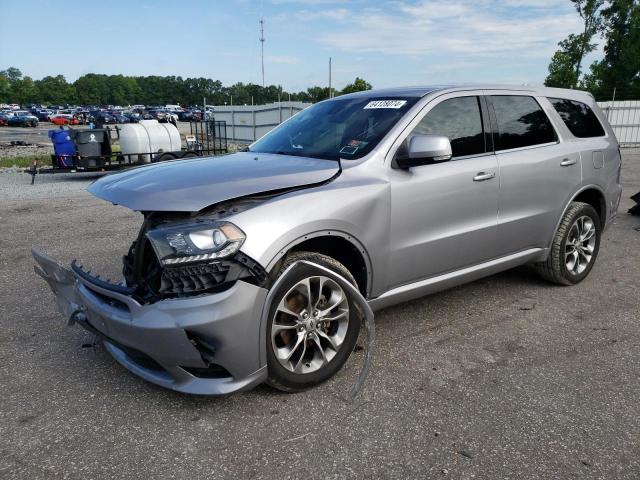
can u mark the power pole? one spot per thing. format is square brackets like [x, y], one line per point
[262, 47]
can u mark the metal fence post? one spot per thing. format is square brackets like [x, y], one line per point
[233, 125]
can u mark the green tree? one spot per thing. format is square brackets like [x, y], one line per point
[358, 85]
[620, 67]
[55, 90]
[8, 78]
[24, 91]
[566, 64]
[316, 94]
[12, 74]
[4, 88]
[562, 70]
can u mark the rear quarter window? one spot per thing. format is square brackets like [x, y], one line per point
[578, 117]
[521, 122]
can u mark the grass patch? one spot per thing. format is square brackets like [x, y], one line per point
[25, 162]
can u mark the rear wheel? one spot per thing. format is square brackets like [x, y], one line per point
[313, 325]
[575, 246]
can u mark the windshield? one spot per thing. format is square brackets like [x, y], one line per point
[336, 129]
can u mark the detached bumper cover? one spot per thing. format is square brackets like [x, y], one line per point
[163, 342]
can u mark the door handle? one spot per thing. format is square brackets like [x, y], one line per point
[482, 176]
[568, 162]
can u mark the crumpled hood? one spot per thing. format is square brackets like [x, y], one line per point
[191, 185]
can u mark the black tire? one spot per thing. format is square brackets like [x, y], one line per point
[554, 269]
[278, 376]
[163, 157]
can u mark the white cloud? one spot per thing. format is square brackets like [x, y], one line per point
[458, 27]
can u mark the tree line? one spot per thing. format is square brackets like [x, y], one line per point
[99, 89]
[617, 24]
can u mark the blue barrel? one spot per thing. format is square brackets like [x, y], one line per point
[63, 147]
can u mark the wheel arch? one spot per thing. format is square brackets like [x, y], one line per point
[590, 194]
[341, 246]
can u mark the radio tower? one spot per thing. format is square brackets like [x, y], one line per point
[262, 47]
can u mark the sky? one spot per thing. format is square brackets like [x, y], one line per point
[388, 43]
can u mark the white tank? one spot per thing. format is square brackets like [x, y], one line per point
[149, 137]
[174, 136]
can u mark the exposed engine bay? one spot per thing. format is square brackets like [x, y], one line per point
[148, 279]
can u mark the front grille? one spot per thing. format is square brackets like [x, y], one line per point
[193, 278]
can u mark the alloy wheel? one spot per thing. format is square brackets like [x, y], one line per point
[310, 324]
[580, 245]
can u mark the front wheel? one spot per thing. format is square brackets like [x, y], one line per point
[575, 246]
[313, 325]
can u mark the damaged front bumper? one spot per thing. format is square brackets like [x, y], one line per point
[207, 344]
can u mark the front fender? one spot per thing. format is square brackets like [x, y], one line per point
[358, 213]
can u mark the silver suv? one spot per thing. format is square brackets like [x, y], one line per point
[399, 193]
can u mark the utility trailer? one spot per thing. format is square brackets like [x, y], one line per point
[94, 154]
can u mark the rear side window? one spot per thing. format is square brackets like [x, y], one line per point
[521, 122]
[460, 120]
[578, 117]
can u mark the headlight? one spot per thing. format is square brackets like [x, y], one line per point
[195, 242]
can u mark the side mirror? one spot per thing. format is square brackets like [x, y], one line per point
[425, 150]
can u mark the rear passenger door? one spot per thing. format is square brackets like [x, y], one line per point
[598, 150]
[537, 172]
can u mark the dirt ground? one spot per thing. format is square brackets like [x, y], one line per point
[504, 378]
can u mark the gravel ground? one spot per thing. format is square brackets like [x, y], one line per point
[16, 188]
[507, 377]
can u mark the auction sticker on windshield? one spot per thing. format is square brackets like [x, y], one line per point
[385, 104]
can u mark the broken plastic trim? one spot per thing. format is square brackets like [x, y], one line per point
[106, 284]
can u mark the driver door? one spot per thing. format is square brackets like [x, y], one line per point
[444, 215]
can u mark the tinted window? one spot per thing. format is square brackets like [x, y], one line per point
[342, 128]
[460, 120]
[578, 117]
[521, 122]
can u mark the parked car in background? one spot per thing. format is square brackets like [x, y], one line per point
[43, 115]
[161, 113]
[121, 118]
[22, 119]
[101, 118]
[64, 120]
[3, 119]
[133, 117]
[185, 116]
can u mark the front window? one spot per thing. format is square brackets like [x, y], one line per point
[459, 119]
[337, 129]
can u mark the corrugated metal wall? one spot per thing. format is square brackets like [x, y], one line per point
[624, 117]
[246, 123]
